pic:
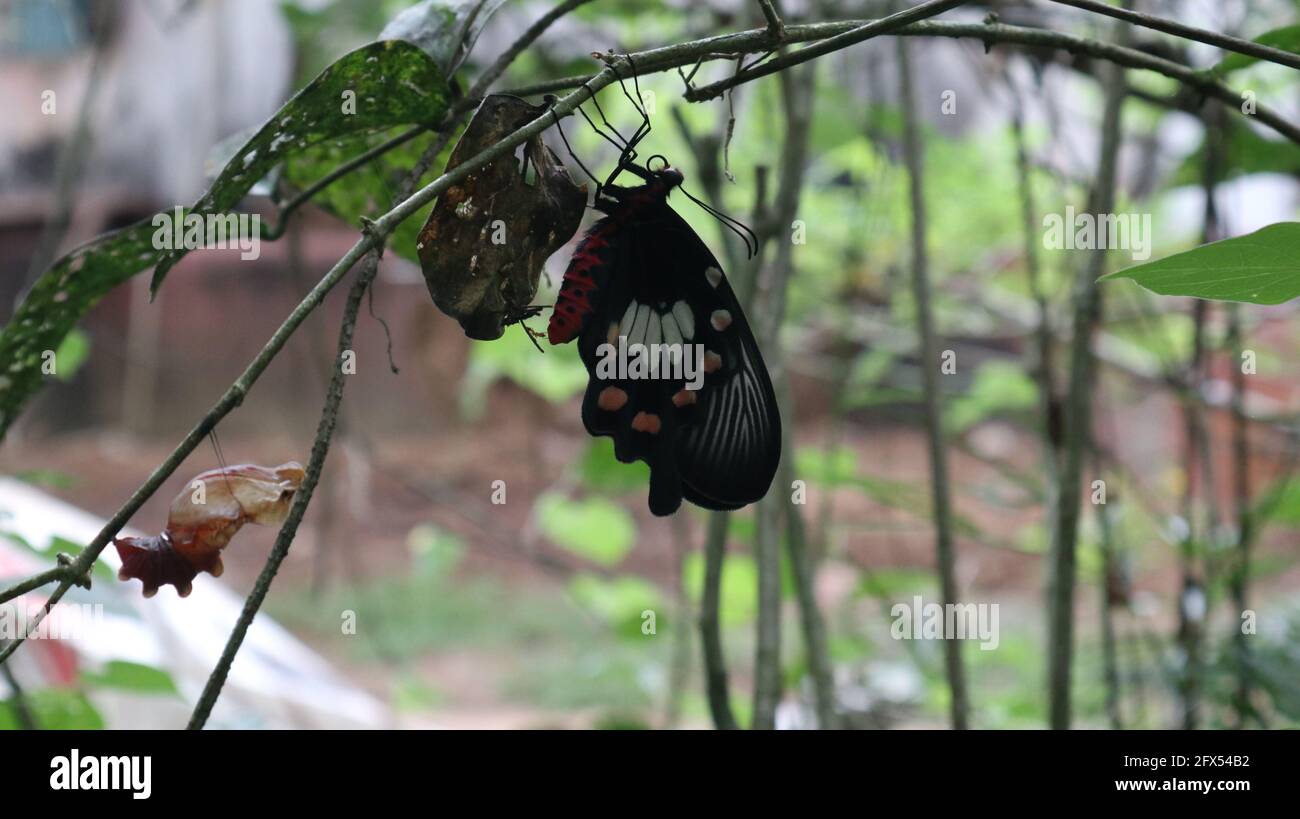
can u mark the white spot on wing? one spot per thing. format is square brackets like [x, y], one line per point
[672, 334]
[626, 323]
[720, 320]
[714, 275]
[685, 319]
[652, 331]
[636, 335]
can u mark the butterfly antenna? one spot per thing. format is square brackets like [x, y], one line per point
[731, 223]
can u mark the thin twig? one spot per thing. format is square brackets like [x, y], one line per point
[804, 569]
[72, 157]
[507, 57]
[34, 582]
[1224, 41]
[929, 353]
[770, 295]
[308, 193]
[715, 659]
[1078, 417]
[18, 698]
[864, 32]
[301, 498]
[752, 41]
[767, 643]
[1239, 578]
[1109, 572]
[775, 26]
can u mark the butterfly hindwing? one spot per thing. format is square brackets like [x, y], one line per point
[728, 455]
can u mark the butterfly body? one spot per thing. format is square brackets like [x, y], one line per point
[706, 420]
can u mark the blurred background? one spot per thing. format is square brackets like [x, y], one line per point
[530, 613]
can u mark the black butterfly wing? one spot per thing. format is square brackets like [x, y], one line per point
[728, 455]
[717, 446]
[638, 413]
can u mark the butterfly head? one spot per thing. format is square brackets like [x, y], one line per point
[669, 177]
[664, 175]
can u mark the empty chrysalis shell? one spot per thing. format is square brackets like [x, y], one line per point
[203, 519]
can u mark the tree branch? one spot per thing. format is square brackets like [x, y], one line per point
[20, 588]
[1224, 41]
[302, 497]
[715, 659]
[840, 41]
[1078, 417]
[727, 46]
[775, 26]
[929, 354]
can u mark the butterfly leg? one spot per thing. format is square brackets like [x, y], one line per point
[643, 130]
[551, 100]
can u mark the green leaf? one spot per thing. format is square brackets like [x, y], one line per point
[47, 478]
[395, 84]
[897, 584]
[128, 676]
[72, 353]
[1286, 38]
[836, 467]
[434, 551]
[739, 586]
[556, 376]
[378, 86]
[54, 709]
[445, 29]
[601, 472]
[1260, 268]
[1281, 503]
[999, 387]
[620, 601]
[597, 529]
[368, 190]
[1247, 152]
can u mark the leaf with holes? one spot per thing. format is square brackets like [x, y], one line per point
[388, 83]
[1259, 268]
[368, 190]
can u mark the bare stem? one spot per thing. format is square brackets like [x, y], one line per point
[715, 659]
[32, 583]
[856, 35]
[302, 497]
[775, 26]
[1078, 418]
[940, 497]
[1224, 41]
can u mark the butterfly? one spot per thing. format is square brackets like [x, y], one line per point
[642, 278]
